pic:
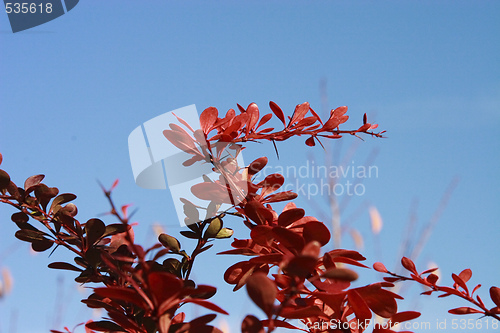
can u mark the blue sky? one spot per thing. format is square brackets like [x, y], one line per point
[73, 89]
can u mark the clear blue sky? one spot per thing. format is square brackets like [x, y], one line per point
[73, 89]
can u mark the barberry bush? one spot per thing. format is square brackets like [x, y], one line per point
[287, 271]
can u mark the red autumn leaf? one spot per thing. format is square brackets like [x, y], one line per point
[206, 304]
[277, 111]
[238, 273]
[262, 291]
[208, 118]
[432, 278]
[495, 295]
[282, 196]
[264, 119]
[94, 229]
[316, 115]
[299, 113]
[380, 301]
[280, 323]
[289, 238]
[404, 316]
[262, 235]
[64, 265]
[271, 183]
[252, 324]
[122, 294]
[464, 310]
[465, 275]
[32, 181]
[181, 140]
[257, 165]
[253, 116]
[104, 326]
[163, 286]
[409, 265]
[342, 274]
[61, 199]
[340, 111]
[289, 216]
[301, 266]
[316, 231]
[210, 191]
[359, 306]
[258, 213]
[364, 128]
[310, 142]
[302, 313]
[380, 267]
[458, 280]
[347, 254]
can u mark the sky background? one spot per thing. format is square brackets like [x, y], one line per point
[73, 89]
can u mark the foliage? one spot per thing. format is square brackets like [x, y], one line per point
[287, 273]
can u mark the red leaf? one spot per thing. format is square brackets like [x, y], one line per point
[253, 116]
[302, 313]
[104, 326]
[316, 231]
[277, 111]
[262, 235]
[94, 229]
[340, 111]
[299, 113]
[315, 115]
[205, 304]
[211, 191]
[359, 306]
[380, 267]
[289, 216]
[464, 310]
[458, 280]
[257, 165]
[282, 196]
[61, 199]
[465, 275]
[64, 265]
[495, 295]
[252, 324]
[258, 213]
[163, 286]
[271, 183]
[208, 118]
[280, 323]
[404, 316]
[181, 140]
[289, 238]
[310, 142]
[32, 181]
[409, 265]
[301, 266]
[265, 119]
[342, 274]
[122, 294]
[432, 278]
[380, 301]
[262, 291]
